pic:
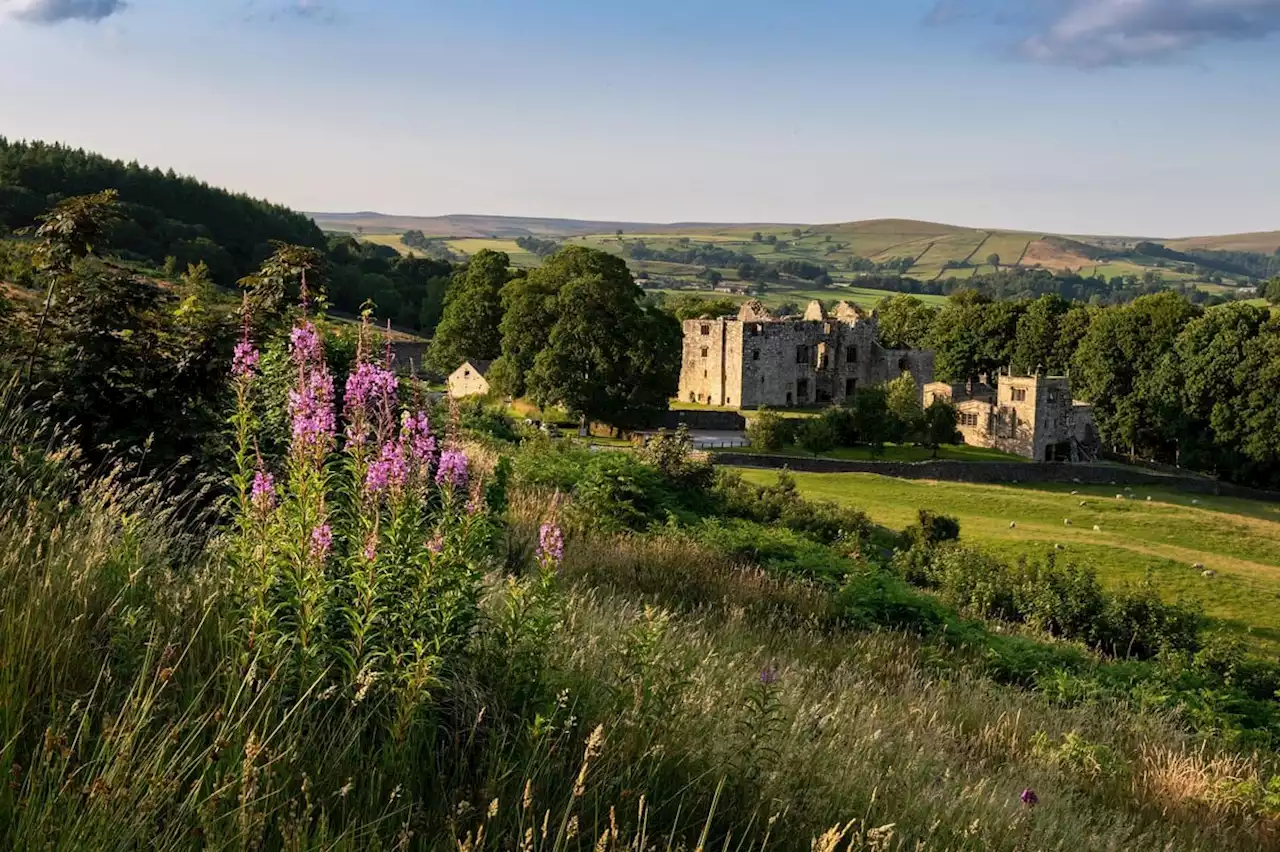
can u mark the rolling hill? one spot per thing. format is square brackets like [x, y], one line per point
[681, 252]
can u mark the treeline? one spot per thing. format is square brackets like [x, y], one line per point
[161, 214]
[538, 247]
[408, 291]
[694, 254]
[1170, 381]
[1254, 264]
[1031, 283]
[435, 248]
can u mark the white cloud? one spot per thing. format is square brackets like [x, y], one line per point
[57, 11]
[1098, 33]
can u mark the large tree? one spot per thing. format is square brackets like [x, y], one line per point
[904, 322]
[1035, 346]
[1115, 364]
[576, 334]
[470, 326]
[973, 335]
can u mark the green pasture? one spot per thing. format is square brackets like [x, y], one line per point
[519, 257]
[1237, 539]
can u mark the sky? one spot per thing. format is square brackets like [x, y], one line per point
[1140, 117]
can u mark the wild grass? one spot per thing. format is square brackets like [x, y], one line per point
[665, 697]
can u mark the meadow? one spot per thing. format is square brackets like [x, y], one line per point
[1237, 539]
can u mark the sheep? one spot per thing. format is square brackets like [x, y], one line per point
[1066, 522]
[1148, 498]
[1097, 528]
[1084, 502]
[1059, 547]
[1074, 493]
[1209, 573]
[1119, 496]
[1199, 566]
[1013, 525]
[1195, 502]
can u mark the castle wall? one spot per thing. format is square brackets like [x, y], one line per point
[751, 361]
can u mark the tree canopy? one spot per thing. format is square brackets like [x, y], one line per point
[472, 313]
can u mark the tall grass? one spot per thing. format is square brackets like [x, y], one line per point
[652, 695]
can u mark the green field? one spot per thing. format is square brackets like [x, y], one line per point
[930, 246]
[1238, 539]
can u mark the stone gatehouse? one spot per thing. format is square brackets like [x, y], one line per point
[756, 359]
[1031, 416]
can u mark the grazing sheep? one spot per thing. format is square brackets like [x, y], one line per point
[1084, 502]
[1066, 522]
[1195, 502]
[1059, 547]
[1199, 566]
[1074, 493]
[1119, 496]
[1013, 525]
[1148, 498]
[1209, 573]
[1097, 528]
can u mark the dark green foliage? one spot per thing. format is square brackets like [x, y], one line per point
[873, 423]
[904, 322]
[539, 247]
[575, 333]
[162, 214]
[931, 529]
[871, 597]
[782, 504]
[939, 425]
[1062, 600]
[687, 307]
[769, 430]
[816, 435]
[482, 420]
[472, 313]
[1271, 291]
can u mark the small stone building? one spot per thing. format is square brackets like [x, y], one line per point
[469, 379]
[1031, 416]
[755, 359]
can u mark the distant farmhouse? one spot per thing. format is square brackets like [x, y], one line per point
[1032, 416]
[469, 379]
[757, 359]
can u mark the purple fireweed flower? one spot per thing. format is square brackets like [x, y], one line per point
[1029, 798]
[550, 545]
[245, 360]
[305, 346]
[311, 409]
[370, 386]
[390, 470]
[769, 675]
[436, 544]
[264, 491]
[453, 469]
[321, 541]
[415, 434]
[371, 548]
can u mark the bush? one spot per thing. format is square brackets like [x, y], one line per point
[781, 503]
[931, 529]
[816, 435]
[770, 431]
[872, 597]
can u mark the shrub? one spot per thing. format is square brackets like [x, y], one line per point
[781, 502]
[770, 431]
[871, 597]
[816, 435]
[931, 529]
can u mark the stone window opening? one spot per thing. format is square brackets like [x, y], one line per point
[1019, 394]
[704, 352]
[706, 329]
[969, 419]
[851, 355]
[788, 397]
[755, 354]
[802, 354]
[850, 387]
[802, 390]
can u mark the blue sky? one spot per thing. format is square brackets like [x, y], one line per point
[1145, 117]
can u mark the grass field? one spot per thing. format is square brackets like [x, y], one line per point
[1238, 539]
[519, 257]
